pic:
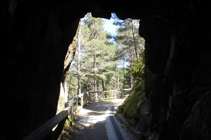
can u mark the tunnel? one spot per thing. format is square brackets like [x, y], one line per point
[35, 36]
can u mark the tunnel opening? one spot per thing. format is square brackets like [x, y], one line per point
[116, 49]
[117, 55]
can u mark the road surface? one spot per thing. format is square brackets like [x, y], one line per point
[97, 121]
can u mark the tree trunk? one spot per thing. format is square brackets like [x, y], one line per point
[134, 42]
[78, 65]
[131, 78]
[79, 47]
[95, 83]
[118, 78]
[131, 82]
[103, 85]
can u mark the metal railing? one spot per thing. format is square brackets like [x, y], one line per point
[42, 131]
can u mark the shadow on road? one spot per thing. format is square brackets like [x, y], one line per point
[90, 123]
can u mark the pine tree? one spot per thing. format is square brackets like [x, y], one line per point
[97, 65]
[97, 54]
[130, 44]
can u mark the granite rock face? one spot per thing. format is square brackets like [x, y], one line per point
[35, 36]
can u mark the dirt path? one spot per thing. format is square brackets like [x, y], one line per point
[96, 121]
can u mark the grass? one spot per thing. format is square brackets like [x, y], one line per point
[68, 126]
[132, 106]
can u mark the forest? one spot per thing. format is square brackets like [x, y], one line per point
[105, 61]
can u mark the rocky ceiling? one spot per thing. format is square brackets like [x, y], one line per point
[35, 36]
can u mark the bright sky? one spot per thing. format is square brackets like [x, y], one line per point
[109, 27]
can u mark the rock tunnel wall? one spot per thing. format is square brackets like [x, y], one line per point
[35, 36]
[178, 73]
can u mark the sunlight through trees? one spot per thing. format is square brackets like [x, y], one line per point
[101, 57]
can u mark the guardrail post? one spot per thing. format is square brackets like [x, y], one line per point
[77, 104]
[99, 96]
[89, 98]
[82, 100]
[86, 97]
[72, 112]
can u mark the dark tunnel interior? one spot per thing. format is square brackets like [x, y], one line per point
[35, 36]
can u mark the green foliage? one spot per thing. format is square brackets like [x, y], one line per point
[108, 94]
[72, 82]
[137, 68]
[99, 57]
[130, 44]
[130, 108]
[97, 61]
